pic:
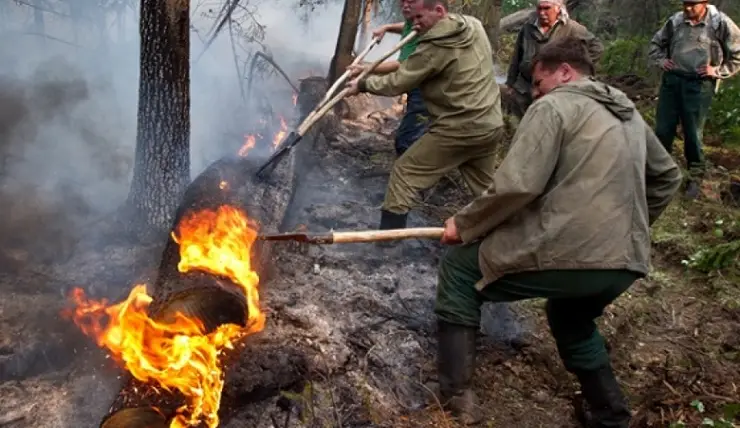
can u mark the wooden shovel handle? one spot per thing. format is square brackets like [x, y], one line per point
[322, 108]
[345, 76]
[387, 235]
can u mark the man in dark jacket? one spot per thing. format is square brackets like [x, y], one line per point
[550, 22]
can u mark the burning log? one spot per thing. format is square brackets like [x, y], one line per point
[174, 341]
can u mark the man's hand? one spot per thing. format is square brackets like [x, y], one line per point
[353, 87]
[708, 71]
[450, 235]
[379, 32]
[355, 70]
[507, 89]
[667, 65]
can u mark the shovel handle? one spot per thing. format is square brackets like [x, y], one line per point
[324, 107]
[387, 235]
[345, 76]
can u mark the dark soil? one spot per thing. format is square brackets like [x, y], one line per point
[350, 334]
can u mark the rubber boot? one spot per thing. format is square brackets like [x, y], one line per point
[455, 367]
[693, 190]
[389, 220]
[606, 405]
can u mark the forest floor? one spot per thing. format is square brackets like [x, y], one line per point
[674, 337]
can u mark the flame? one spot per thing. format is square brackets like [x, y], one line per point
[223, 184]
[179, 355]
[219, 242]
[249, 142]
[280, 135]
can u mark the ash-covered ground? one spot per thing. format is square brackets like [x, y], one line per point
[357, 318]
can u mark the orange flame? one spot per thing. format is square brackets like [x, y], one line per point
[280, 135]
[249, 142]
[219, 242]
[179, 355]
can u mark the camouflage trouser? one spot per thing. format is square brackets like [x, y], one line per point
[684, 99]
[433, 156]
[575, 299]
[414, 123]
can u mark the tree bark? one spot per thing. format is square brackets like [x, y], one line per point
[162, 163]
[346, 39]
[208, 298]
[367, 15]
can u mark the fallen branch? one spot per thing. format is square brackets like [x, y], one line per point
[229, 8]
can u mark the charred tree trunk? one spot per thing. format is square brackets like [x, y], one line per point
[216, 300]
[346, 39]
[162, 164]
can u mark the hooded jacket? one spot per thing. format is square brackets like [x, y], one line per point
[583, 181]
[453, 68]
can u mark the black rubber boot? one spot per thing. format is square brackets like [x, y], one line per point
[455, 369]
[606, 405]
[693, 190]
[389, 220]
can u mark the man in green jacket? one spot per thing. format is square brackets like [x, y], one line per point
[550, 22]
[415, 120]
[566, 218]
[453, 69]
[696, 48]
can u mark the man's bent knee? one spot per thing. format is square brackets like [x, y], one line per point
[400, 195]
[458, 302]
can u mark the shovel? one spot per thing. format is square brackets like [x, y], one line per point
[357, 236]
[296, 136]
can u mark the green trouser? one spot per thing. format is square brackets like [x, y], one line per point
[575, 299]
[431, 157]
[684, 98]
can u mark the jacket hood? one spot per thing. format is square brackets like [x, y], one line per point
[454, 31]
[612, 98]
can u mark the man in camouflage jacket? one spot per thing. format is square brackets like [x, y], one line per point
[696, 48]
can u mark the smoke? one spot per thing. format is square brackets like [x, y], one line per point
[68, 100]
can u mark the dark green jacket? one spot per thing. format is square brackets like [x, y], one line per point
[531, 39]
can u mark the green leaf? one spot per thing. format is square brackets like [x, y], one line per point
[731, 411]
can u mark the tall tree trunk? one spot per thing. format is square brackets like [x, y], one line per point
[346, 39]
[493, 16]
[162, 163]
[367, 15]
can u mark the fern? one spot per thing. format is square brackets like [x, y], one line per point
[718, 257]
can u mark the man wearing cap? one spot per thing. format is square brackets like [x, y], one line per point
[416, 118]
[696, 48]
[550, 22]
